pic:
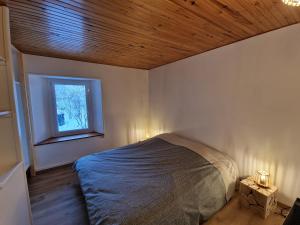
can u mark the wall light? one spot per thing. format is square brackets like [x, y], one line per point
[291, 2]
[262, 178]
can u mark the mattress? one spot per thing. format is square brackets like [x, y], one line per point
[161, 181]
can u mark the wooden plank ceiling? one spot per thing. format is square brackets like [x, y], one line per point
[140, 33]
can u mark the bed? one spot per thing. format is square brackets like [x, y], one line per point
[165, 180]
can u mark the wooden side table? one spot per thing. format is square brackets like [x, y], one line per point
[262, 200]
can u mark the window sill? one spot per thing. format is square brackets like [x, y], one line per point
[69, 138]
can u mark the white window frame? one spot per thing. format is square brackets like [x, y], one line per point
[54, 124]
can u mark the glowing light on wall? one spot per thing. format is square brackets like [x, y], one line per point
[291, 2]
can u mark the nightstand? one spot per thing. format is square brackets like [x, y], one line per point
[262, 200]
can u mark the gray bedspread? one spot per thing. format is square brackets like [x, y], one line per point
[151, 182]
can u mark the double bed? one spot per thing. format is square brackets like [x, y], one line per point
[165, 180]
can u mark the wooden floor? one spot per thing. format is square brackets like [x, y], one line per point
[233, 214]
[57, 200]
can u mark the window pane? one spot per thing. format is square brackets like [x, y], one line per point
[71, 107]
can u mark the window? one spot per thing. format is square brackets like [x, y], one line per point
[65, 106]
[71, 111]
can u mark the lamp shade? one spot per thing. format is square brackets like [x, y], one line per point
[262, 178]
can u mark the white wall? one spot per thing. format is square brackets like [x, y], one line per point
[40, 113]
[243, 99]
[125, 107]
[97, 105]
